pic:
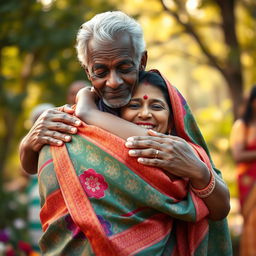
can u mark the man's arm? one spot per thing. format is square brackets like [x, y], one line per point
[52, 127]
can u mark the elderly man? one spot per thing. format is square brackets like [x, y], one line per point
[112, 67]
[96, 200]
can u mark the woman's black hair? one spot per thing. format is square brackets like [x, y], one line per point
[156, 80]
[248, 113]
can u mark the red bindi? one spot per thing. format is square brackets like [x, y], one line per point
[145, 97]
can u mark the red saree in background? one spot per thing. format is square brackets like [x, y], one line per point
[96, 200]
[246, 176]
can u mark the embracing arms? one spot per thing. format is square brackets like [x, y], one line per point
[177, 157]
[52, 127]
[174, 154]
[87, 111]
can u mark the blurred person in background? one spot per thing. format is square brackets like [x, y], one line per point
[243, 148]
[73, 90]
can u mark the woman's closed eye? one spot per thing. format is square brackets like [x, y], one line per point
[157, 106]
[134, 105]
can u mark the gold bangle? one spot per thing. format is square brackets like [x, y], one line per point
[205, 192]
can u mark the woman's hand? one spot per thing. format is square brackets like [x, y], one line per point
[170, 153]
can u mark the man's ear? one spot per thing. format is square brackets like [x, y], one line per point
[143, 60]
[87, 73]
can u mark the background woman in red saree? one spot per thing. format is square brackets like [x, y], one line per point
[243, 146]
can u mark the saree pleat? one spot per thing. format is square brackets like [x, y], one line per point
[97, 200]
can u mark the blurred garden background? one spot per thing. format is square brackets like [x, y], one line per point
[206, 48]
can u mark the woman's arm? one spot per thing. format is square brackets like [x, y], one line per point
[87, 111]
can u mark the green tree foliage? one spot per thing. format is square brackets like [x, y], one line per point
[37, 61]
[225, 17]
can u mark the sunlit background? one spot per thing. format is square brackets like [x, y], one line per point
[206, 48]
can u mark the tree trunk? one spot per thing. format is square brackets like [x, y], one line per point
[236, 93]
[232, 70]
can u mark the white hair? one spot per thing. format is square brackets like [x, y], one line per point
[106, 27]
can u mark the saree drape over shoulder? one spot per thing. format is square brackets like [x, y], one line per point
[97, 200]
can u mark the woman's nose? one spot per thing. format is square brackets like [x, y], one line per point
[145, 113]
[114, 80]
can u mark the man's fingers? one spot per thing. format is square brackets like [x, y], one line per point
[54, 115]
[61, 127]
[66, 118]
[68, 109]
[52, 141]
[155, 134]
[55, 135]
[150, 153]
[142, 144]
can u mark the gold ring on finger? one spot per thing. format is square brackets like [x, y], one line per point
[156, 153]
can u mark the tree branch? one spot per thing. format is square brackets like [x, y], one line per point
[191, 31]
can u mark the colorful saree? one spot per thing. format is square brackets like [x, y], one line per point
[96, 200]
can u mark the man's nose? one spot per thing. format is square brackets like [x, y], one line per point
[114, 80]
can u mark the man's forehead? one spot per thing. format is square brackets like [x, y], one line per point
[112, 50]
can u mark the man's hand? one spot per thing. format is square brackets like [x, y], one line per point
[53, 127]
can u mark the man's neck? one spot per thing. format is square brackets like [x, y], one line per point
[104, 108]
